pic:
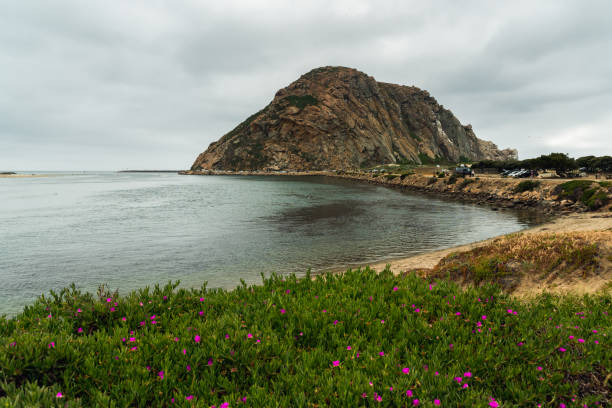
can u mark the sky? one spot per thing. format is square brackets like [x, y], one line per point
[149, 84]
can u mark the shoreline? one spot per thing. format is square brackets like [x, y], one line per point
[496, 192]
[560, 224]
[24, 175]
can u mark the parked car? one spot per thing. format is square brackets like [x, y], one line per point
[464, 171]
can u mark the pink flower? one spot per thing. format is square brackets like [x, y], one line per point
[465, 385]
[335, 322]
[493, 404]
[406, 370]
[539, 368]
[382, 353]
[249, 336]
[283, 311]
[436, 402]
[108, 300]
[348, 347]
[395, 288]
[571, 337]
[510, 311]
[409, 393]
[336, 363]
[224, 405]
[210, 362]
[484, 317]
[561, 349]
[201, 313]
[467, 374]
[132, 339]
[415, 402]
[378, 398]
[80, 330]
[51, 345]
[201, 299]
[227, 336]
[124, 318]
[134, 348]
[161, 375]
[458, 379]
[580, 340]
[59, 395]
[197, 338]
[458, 314]
[188, 367]
[189, 397]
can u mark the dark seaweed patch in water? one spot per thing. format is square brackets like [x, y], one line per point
[336, 213]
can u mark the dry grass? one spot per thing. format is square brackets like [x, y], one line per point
[546, 257]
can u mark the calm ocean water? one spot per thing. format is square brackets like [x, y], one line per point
[129, 230]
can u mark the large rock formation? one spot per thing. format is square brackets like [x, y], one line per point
[340, 118]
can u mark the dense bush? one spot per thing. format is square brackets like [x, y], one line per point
[526, 185]
[557, 161]
[593, 195]
[594, 163]
[358, 339]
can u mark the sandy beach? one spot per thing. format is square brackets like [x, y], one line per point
[583, 222]
[568, 223]
[23, 175]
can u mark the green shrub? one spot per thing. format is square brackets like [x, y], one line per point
[452, 179]
[465, 183]
[584, 191]
[526, 185]
[390, 176]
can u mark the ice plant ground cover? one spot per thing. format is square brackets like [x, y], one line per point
[350, 340]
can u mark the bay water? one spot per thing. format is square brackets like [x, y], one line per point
[130, 230]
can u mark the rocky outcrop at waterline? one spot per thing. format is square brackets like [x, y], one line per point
[340, 118]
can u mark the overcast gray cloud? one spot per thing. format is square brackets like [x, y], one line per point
[149, 84]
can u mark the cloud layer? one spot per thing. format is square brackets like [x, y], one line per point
[149, 84]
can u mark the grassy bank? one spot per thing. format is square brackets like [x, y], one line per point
[356, 339]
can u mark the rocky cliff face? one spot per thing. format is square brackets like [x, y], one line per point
[340, 118]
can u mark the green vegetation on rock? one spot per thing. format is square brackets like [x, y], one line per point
[591, 194]
[301, 102]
